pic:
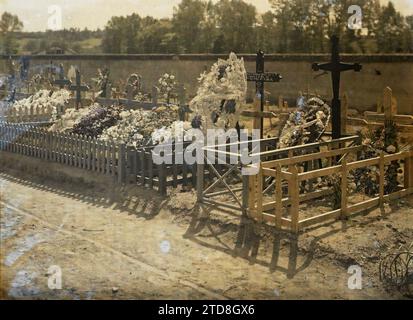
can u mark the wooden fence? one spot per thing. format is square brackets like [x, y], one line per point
[143, 171]
[69, 149]
[284, 208]
[29, 114]
[126, 165]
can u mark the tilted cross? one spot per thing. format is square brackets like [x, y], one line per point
[78, 88]
[260, 77]
[336, 67]
[62, 82]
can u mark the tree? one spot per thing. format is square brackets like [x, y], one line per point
[121, 33]
[9, 25]
[236, 22]
[391, 30]
[187, 22]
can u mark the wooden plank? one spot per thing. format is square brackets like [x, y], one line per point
[362, 163]
[332, 215]
[142, 157]
[365, 205]
[200, 181]
[114, 158]
[344, 185]
[408, 172]
[107, 157]
[174, 173]
[278, 197]
[398, 194]
[307, 146]
[319, 173]
[252, 182]
[162, 178]
[380, 117]
[150, 171]
[294, 191]
[381, 179]
[311, 157]
[259, 193]
[121, 164]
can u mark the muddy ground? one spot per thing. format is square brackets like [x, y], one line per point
[146, 247]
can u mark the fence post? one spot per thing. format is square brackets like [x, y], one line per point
[278, 197]
[162, 178]
[121, 163]
[294, 190]
[154, 96]
[245, 194]
[408, 171]
[381, 181]
[260, 178]
[344, 182]
[200, 177]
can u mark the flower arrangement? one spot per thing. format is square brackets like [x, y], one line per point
[377, 141]
[137, 127]
[98, 119]
[221, 92]
[68, 120]
[306, 124]
[46, 99]
[167, 86]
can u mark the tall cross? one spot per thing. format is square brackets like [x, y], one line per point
[336, 67]
[260, 77]
[62, 82]
[78, 88]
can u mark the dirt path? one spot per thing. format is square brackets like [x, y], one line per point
[140, 249]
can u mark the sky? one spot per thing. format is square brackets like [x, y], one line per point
[95, 13]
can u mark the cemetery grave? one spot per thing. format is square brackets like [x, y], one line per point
[116, 136]
[320, 166]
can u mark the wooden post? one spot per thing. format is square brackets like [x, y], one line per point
[344, 182]
[245, 195]
[257, 109]
[408, 171]
[278, 197]
[344, 114]
[252, 182]
[260, 178]
[381, 179]
[294, 190]
[280, 104]
[389, 104]
[200, 180]
[162, 179]
[154, 96]
[121, 163]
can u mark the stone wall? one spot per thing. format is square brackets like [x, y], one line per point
[363, 88]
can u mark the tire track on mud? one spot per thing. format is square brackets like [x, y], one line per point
[147, 267]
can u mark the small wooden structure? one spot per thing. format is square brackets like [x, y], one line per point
[386, 112]
[279, 180]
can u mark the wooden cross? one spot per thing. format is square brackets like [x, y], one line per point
[260, 77]
[336, 67]
[62, 82]
[78, 88]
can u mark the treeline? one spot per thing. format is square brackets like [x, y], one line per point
[66, 40]
[233, 25]
[201, 26]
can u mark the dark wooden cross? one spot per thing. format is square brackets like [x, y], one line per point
[260, 77]
[62, 82]
[336, 67]
[78, 88]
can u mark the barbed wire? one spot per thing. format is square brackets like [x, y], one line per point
[396, 269]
